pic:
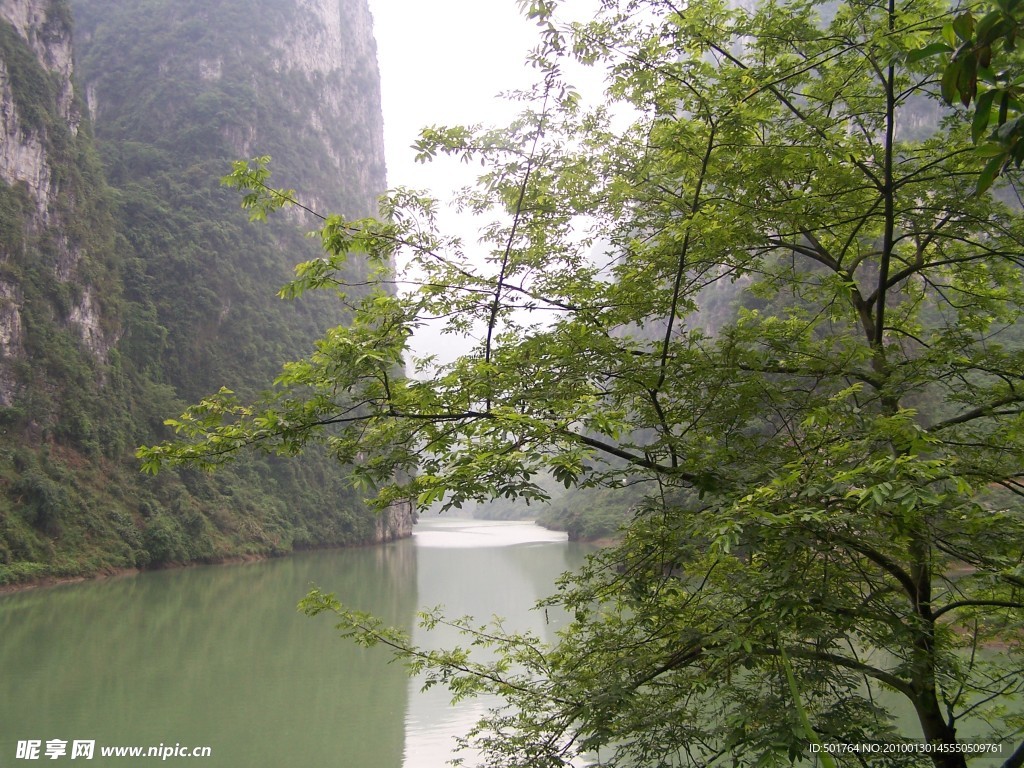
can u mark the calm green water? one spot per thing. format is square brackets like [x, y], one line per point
[219, 657]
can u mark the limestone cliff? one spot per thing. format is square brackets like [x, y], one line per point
[332, 44]
[395, 522]
[42, 169]
[38, 40]
[296, 79]
[178, 89]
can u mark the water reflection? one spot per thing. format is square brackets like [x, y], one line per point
[211, 656]
[218, 656]
[481, 570]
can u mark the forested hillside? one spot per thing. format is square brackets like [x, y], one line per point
[131, 283]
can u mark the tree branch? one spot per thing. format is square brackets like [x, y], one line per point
[979, 603]
[980, 412]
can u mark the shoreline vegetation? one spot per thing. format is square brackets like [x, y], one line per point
[110, 573]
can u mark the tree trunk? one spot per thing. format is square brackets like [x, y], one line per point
[938, 732]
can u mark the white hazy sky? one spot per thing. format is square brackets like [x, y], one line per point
[443, 62]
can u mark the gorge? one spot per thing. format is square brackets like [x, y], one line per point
[131, 284]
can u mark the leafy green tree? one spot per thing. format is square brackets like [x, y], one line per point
[982, 65]
[831, 533]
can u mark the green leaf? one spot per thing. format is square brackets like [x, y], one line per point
[989, 173]
[950, 78]
[963, 26]
[950, 36]
[990, 149]
[933, 49]
[982, 114]
[967, 78]
[1010, 130]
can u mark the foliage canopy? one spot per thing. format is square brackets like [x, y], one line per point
[981, 65]
[831, 530]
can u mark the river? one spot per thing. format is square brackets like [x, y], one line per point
[218, 656]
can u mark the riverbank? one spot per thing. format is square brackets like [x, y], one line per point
[394, 523]
[110, 574]
[601, 539]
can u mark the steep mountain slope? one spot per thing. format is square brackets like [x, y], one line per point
[177, 90]
[131, 284]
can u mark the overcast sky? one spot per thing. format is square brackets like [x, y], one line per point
[444, 62]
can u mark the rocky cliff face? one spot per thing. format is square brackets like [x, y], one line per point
[332, 43]
[296, 79]
[42, 31]
[39, 127]
[395, 522]
[180, 89]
